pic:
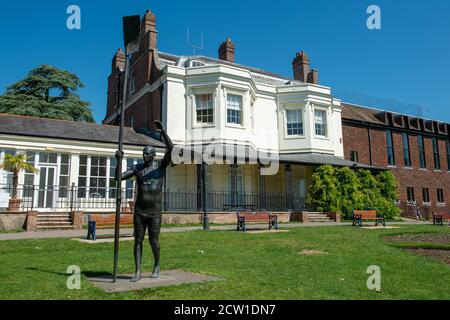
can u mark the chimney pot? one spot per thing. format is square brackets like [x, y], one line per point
[313, 76]
[300, 65]
[226, 50]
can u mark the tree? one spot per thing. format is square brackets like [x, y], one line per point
[47, 92]
[16, 164]
[351, 191]
[324, 189]
[346, 190]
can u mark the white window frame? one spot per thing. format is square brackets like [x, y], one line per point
[241, 123]
[326, 122]
[195, 121]
[302, 121]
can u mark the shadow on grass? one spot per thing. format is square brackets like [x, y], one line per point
[88, 274]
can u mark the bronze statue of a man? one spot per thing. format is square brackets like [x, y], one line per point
[148, 208]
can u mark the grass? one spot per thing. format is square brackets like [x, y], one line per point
[253, 266]
[12, 231]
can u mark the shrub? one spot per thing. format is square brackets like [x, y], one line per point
[345, 190]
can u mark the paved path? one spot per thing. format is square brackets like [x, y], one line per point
[102, 232]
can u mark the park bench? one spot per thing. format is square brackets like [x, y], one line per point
[360, 215]
[245, 217]
[238, 207]
[440, 217]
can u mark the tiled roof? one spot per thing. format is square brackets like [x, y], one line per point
[71, 130]
[281, 79]
[358, 113]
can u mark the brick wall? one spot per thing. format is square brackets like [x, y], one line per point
[145, 72]
[356, 139]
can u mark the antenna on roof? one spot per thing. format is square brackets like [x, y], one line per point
[193, 46]
[420, 111]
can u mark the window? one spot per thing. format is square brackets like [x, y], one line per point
[437, 160]
[64, 176]
[410, 194]
[425, 195]
[97, 180]
[195, 63]
[440, 196]
[132, 121]
[354, 156]
[112, 179]
[294, 122]
[421, 146]
[320, 122]
[390, 148]
[82, 177]
[204, 108]
[29, 176]
[406, 152]
[448, 154]
[48, 158]
[234, 109]
[132, 83]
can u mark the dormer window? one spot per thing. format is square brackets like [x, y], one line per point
[195, 63]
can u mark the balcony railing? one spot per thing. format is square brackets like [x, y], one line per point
[75, 198]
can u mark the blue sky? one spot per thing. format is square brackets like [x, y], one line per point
[404, 65]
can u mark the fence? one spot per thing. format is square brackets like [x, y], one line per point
[75, 198]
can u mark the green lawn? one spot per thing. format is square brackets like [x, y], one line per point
[253, 266]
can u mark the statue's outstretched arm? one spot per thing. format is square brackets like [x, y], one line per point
[167, 160]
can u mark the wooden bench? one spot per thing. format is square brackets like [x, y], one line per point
[238, 207]
[360, 215]
[440, 217]
[245, 217]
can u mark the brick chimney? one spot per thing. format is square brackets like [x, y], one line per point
[300, 64]
[148, 24]
[226, 51]
[118, 61]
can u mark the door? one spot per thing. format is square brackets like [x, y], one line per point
[46, 192]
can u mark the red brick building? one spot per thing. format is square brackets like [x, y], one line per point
[416, 150]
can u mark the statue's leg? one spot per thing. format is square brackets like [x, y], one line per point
[154, 230]
[139, 235]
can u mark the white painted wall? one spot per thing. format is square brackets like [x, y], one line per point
[269, 104]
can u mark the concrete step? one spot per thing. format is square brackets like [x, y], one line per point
[54, 219]
[57, 227]
[56, 215]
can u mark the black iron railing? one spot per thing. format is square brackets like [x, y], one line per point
[75, 198]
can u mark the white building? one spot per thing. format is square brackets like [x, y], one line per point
[220, 106]
[75, 161]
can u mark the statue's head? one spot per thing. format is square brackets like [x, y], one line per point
[149, 154]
